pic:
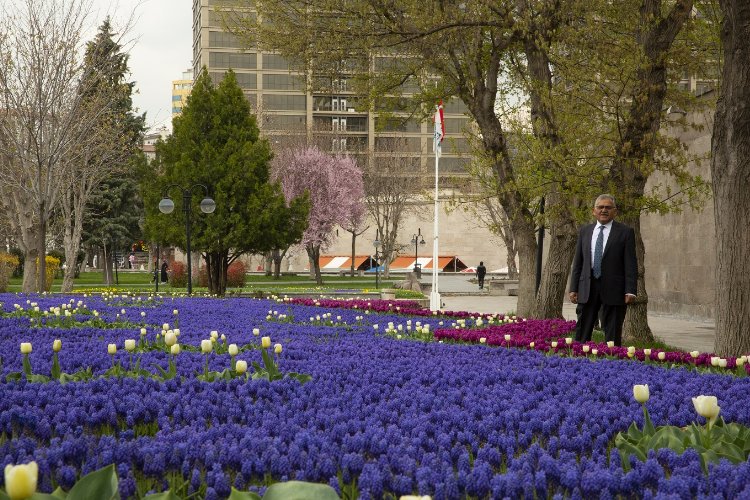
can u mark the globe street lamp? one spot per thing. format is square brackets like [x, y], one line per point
[415, 240]
[166, 206]
[377, 262]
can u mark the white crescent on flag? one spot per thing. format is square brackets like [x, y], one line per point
[439, 129]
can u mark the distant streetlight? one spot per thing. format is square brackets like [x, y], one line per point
[377, 261]
[415, 240]
[166, 206]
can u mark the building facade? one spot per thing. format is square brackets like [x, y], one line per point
[180, 91]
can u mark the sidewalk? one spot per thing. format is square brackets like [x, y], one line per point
[686, 334]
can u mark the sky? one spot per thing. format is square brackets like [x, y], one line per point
[160, 44]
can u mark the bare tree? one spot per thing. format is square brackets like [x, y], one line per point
[387, 194]
[43, 124]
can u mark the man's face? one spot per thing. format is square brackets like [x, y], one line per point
[604, 210]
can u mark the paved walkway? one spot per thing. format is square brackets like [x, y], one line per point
[679, 332]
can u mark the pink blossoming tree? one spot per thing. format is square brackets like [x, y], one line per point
[335, 188]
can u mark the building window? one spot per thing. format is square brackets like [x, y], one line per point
[222, 39]
[275, 61]
[244, 80]
[284, 102]
[283, 82]
[231, 60]
[285, 122]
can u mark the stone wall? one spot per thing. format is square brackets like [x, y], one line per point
[680, 248]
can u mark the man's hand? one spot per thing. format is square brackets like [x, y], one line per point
[573, 296]
[629, 298]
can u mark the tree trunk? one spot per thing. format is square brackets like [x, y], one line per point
[636, 327]
[107, 263]
[277, 256]
[29, 270]
[354, 250]
[71, 243]
[313, 251]
[554, 284]
[217, 266]
[526, 266]
[730, 171]
[42, 250]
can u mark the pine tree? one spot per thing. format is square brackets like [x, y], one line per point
[216, 150]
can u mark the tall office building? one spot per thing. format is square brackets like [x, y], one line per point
[331, 119]
[180, 91]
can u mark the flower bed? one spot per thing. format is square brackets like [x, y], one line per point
[379, 416]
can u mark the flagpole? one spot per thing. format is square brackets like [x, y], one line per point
[435, 303]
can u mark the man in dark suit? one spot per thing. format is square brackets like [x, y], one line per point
[605, 273]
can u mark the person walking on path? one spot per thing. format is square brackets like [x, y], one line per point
[164, 268]
[604, 273]
[481, 272]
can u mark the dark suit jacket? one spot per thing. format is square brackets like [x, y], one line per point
[619, 265]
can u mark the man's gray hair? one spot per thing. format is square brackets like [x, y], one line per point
[605, 197]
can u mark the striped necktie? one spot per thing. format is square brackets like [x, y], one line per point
[598, 251]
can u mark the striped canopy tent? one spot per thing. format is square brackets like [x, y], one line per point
[343, 263]
[446, 263]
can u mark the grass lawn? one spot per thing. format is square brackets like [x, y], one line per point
[141, 281]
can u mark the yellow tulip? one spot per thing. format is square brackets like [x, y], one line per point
[20, 480]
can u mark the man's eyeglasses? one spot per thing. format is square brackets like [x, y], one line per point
[604, 207]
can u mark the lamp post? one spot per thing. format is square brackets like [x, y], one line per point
[377, 263]
[166, 206]
[415, 240]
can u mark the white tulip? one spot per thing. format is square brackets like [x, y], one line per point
[233, 350]
[265, 342]
[112, 349]
[532, 344]
[507, 337]
[240, 366]
[695, 354]
[722, 363]
[586, 348]
[594, 351]
[130, 345]
[277, 348]
[610, 343]
[706, 406]
[214, 334]
[170, 338]
[647, 353]
[631, 350]
[206, 346]
[57, 345]
[25, 347]
[553, 344]
[175, 349]
[714, 361]
[568, 340]
[482, 340]
[662, 356]
[640, 393]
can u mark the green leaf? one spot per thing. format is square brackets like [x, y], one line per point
[59, 493]
[648, 426]
[13, 377]
[731, 452]
[630, 449]
[43, 496]
[100, 484]
[634, 434]
[299, 490]
[3, 495]
[164, 495]
[243, 495]
[55, 371]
